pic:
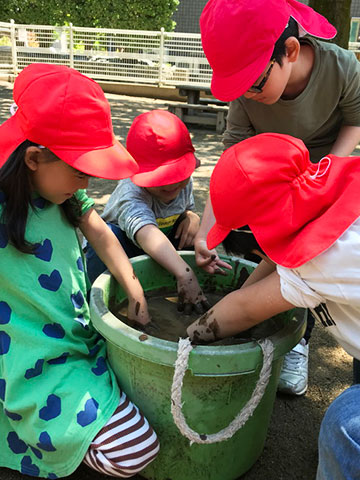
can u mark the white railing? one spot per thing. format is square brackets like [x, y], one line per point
[127, 56]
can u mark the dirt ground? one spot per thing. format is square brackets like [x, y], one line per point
[290, 451]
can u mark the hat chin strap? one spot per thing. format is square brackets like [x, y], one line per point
[317, 174]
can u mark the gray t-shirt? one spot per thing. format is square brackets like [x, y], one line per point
[330, 100]
[132, 207]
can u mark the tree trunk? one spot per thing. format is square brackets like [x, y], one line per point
[338, 13]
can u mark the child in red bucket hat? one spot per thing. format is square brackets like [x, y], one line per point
[303, 219]
[58, 395]
[153, 211]
[280, 78]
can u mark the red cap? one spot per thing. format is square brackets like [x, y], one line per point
[238, 38]
[66, 112]
[161, 144]
[296, 209]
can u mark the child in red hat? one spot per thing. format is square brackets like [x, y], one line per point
[280, 78]
[153, 211]
[60, 404]
[308, 235]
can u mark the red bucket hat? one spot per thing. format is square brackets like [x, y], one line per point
[66, 112]
[161, 144]
[295, 209]
[238, 38]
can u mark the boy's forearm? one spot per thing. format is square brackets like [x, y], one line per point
[159, 247]
[346, 142]
[207, 221]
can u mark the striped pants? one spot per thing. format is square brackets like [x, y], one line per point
[125, 445]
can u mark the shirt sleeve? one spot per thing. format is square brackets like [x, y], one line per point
[190, 196]
[350, 99]
[296, 291]
[238, 124]
[129, 207]
[86, 202]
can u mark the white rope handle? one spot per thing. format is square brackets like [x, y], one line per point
[181, 364]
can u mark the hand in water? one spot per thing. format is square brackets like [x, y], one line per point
[191, 297]
[137, 311]
[209, 260]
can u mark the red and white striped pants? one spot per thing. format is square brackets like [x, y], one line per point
[125, 445]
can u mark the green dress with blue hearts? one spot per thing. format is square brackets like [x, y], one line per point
[56, 390]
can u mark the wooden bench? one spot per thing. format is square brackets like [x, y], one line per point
[200, 114]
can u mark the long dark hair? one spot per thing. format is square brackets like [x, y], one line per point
[16, 187]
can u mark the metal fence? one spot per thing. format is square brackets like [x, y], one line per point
[127, 56]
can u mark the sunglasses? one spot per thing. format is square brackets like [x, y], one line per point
[259, 88]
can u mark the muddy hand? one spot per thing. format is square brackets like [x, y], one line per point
[138, 311]
[191, 297]
[209, 260]
[204, 329]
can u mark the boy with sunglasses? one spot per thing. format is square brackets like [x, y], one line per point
[278, 80]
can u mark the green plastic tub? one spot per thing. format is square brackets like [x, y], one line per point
[218, 383]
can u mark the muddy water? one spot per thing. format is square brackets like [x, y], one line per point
[169, 324]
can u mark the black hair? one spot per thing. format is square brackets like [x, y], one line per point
[292, 30]
[16, 187]
[241, 242]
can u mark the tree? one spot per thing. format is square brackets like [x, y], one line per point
[338, 13]
[123, 14]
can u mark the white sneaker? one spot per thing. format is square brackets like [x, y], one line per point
[294, 372]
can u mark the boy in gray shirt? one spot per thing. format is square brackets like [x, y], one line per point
[152, 212]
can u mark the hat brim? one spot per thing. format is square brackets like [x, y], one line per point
[216, 235]
[167, 174]
[234, 86]
[113, 163]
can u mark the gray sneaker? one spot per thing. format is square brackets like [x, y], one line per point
[294, 372]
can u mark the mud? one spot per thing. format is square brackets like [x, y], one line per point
[169, 324]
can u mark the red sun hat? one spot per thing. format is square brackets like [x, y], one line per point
[295, 209]
[66, 112]
[238, 38]
[161, 145]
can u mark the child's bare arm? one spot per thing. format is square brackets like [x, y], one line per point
[159, 247]
[240, 310]
[187, 229]
[109, 250]
[346, 142]
[207, 259]
[261, 271]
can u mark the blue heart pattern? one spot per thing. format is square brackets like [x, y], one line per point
[4, 343]
[89, 414]
[16, 445]
[5, 313]
[101, 366]
[80, 264]
[28, 468]
[51, 282]
[59, 360]
[2, 389]
[36, 452]
[52, 408]
[45, 442]
[54, 330]
[44, 251]
[4, 239]
[36, 371]
[14, 416]
[77, 299]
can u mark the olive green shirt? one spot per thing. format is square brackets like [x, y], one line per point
[330, 100]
